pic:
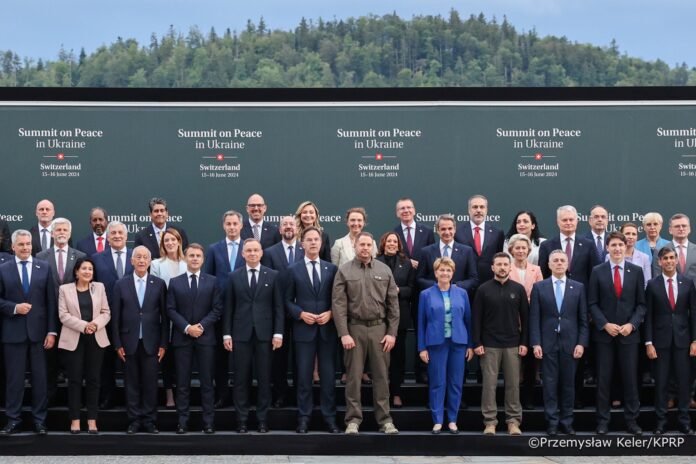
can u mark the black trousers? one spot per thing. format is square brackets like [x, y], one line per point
[205, 357]
[279, 371]
[15, 367]
[325, 351]
[84, 363]
[140, 375]
[675, 361]
[222, 366]
[258, 353]
[606, 354]
[558, 371]
[397, 366]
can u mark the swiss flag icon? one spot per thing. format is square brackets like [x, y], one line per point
[60, 156]
[538, 156]
[378, 156]
[220, 157]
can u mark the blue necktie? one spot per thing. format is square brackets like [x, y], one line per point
[315, 278]
[559, 302]
[194, 287]
[445, 253]
[141, 298]
[25, 278]
[291, 255]
[233, 255]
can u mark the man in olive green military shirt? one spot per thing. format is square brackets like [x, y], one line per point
[366, 314]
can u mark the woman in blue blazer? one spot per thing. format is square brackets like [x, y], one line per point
[444, 323]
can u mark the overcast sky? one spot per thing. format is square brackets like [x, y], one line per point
[650, 30]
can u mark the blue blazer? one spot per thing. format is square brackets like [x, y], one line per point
[544, 317]
[644, 246]
[431, 317]
[87, 246]
[422, 237]
[300, 296]
[664, 327]
[43, 317]
[217, 262]
[492, 244]
[605, 307]
[584, 258]
[465, 274]
[182, 310]
[105, 270]
[127, 315]
[275, 258]
[269, 233]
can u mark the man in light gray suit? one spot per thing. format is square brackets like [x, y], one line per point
[680, 228]
[61, 258]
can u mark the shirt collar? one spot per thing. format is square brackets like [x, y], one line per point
[257, 268]
[405, 226]
[564, 237]
[28, 260]
[473, 225]
[137, 278]
[189, 274]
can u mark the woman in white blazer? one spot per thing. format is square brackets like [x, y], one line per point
[84, 312]
[343, 249]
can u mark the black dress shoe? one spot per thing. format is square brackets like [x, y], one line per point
[242, 428]
[220, 403]
[133, 428]
[10, 429]
[463, 405]
[602, 429]
[263, 427]
[686, 430]
[40, 428]
[279, 402]
[181, 429]
[527, 405]
[579, 404]
[93, 431]
[435, 431]
[209, 429]
[551, 431]
[633, 429]
[333, 428]
[302, 427]
[568, 429]
[151, 428]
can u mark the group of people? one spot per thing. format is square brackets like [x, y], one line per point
[571, 309]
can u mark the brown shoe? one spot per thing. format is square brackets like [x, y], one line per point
[514, 429]
[670, 403]
[489, 430]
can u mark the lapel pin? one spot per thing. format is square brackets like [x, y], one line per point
[628, 270]
[579, 244]
[265, 285]
[570, 286]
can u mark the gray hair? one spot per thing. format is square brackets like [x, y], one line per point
[62, 220]
[445, 217]
[232, 212]
[517, 238]
[19, 233]
[115, 224]
[566, 208]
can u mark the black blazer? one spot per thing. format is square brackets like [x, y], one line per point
[544, 317]
[183, 310]
[147, 238]
[465, 274]
[36, 240]
[127, 315]
[88, 247]
[269, 233]
[605, 307]
[584, 258]
[300, 296]
[71, 256]
[262, 312]
[405, 279]
[5, 237]
[422, 237]
[492, 244]
[105, 270]
[664, 327]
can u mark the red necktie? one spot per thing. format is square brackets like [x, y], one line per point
[672, 303]
[682, 260]
[617, 282]
[409, 241]
[100, 244]
[477, 240]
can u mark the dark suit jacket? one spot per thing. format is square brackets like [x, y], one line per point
[263, 312]
[147, 238]
[43, 317]
[422, 237]
[405, 279]
[36, 241]
[300, 296]
[5, 237]
[584, 258]
[465, 274]
[664, 327]
[492, 244]
[87, 245]
[127, 315]
[269, 233]
[217, 262]
[71, 256]
[275, 258]
[605, 307]
[183, 310]
[544, 317]
[4, 257]
[591, 238]
[105, 270]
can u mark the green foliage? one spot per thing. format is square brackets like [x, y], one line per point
[368, 51]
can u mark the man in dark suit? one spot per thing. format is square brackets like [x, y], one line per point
[253, 321]
[308, 301]
[194, 305]
[61, 258]
[29, 327]
[222, 258]
[465, 274]
[616, 299]
[110, 265]
[95, 242]
[278, 257]
[598, 220]
[139, 333]
[5, 237]
[256, 227]
[486, 240]
[670, 336]
[559, 333]
[151, 235]
[414, 237]
[41, 233]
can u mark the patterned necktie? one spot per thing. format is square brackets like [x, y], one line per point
[25, 278]
[568, 251]
[315, 278]
[409, 241]
[672, 302]
[257, 232]
[253, 284]
[61, 266]
[617, 281]
[682, 260]
[100, 244]
[119, 264]
[44, 239]
[477, 240]
[291, 255]
[600, 247]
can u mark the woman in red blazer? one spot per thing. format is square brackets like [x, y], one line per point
[84, 312]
